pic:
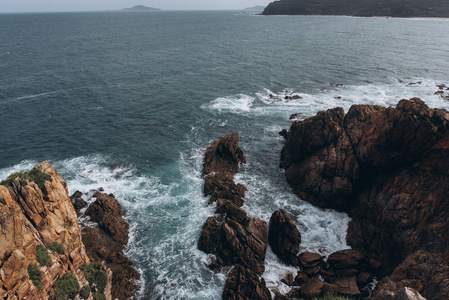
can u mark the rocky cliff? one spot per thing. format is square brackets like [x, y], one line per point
[388, 169]
[394, 8]
[43, 252]
[40, 236]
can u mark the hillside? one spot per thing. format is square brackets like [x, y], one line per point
[366, 8]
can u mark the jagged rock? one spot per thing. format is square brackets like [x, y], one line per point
[244, 244]
[243, 283]
[284, 237]
[345, 286]
[408, 294]
[319, 160]
[108, 213]
[224, 155]
[208, 241]
[283, 133]
[400, 161]
[308, 259]
[312, 288]
[222, 186]
[78, 202]
[31, 215]
[346, 259]
[288, 279]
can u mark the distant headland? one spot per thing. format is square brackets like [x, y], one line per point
[362, 8]
[255, 8]
[140, 8]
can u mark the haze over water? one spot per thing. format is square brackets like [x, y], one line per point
[150, 91]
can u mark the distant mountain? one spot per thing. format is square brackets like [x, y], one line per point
[256, 8]
[365, 8]
[140, 8]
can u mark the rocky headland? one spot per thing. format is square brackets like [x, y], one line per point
[388, 169]
[363, 8]
[43, 252]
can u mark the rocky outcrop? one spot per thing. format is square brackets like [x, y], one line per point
[366, 8]
[387, 168]
[284, 238]
[107, 243]
[234, 238]
[34, 216]
[243, 283]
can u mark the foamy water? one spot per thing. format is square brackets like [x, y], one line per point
[166, 216]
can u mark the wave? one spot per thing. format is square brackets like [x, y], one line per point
[289, 101]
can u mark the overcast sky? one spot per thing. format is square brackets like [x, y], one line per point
[93, 5]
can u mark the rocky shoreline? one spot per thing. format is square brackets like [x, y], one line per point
[44, 254]
[385, 167]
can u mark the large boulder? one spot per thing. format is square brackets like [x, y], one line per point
[108, 213]
[388, 170]
[224, 155]
[284, 237]
[237, 239]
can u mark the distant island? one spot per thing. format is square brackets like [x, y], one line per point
[140, 8]
[256, 8]
[362, 8]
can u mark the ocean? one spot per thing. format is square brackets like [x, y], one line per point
[148, 92]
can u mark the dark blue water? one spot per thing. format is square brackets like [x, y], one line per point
[152, 90]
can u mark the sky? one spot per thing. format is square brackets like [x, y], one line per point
[96, 5]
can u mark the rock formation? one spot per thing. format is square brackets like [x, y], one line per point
[36, 215]
[231, 235]
[108, 241]
[284, 238]
[365, 8]
[388, 169]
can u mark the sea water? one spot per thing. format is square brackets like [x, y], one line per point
[148, 92]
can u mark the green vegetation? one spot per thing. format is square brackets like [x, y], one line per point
[95, 275]
[85, 292]
[35, 175]
[66, 287]
[57, 247]
[35, 275]
[42, 256]
[99, 296]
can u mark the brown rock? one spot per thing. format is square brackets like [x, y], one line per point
[319, 160]
[308, 259]
[77, 201]
[288, 279]
[243, 283]
[397, 158]
[346, 259]
[346, 286]
[108, 213]
[312, 288]
[224, 155]
[222, 186]
[284, 237]
[208, 241]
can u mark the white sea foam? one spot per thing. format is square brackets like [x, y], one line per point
[269, 102]
[235, 104]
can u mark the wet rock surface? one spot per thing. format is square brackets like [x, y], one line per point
[284, 237]
[387, 168]
[107, 243]
[234, 238]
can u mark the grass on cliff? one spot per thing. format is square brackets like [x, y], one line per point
[96, 277]
[66, 287]
[85, 292]
[56, 247]
[42, 256]
[35, 275]
[35, 175]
